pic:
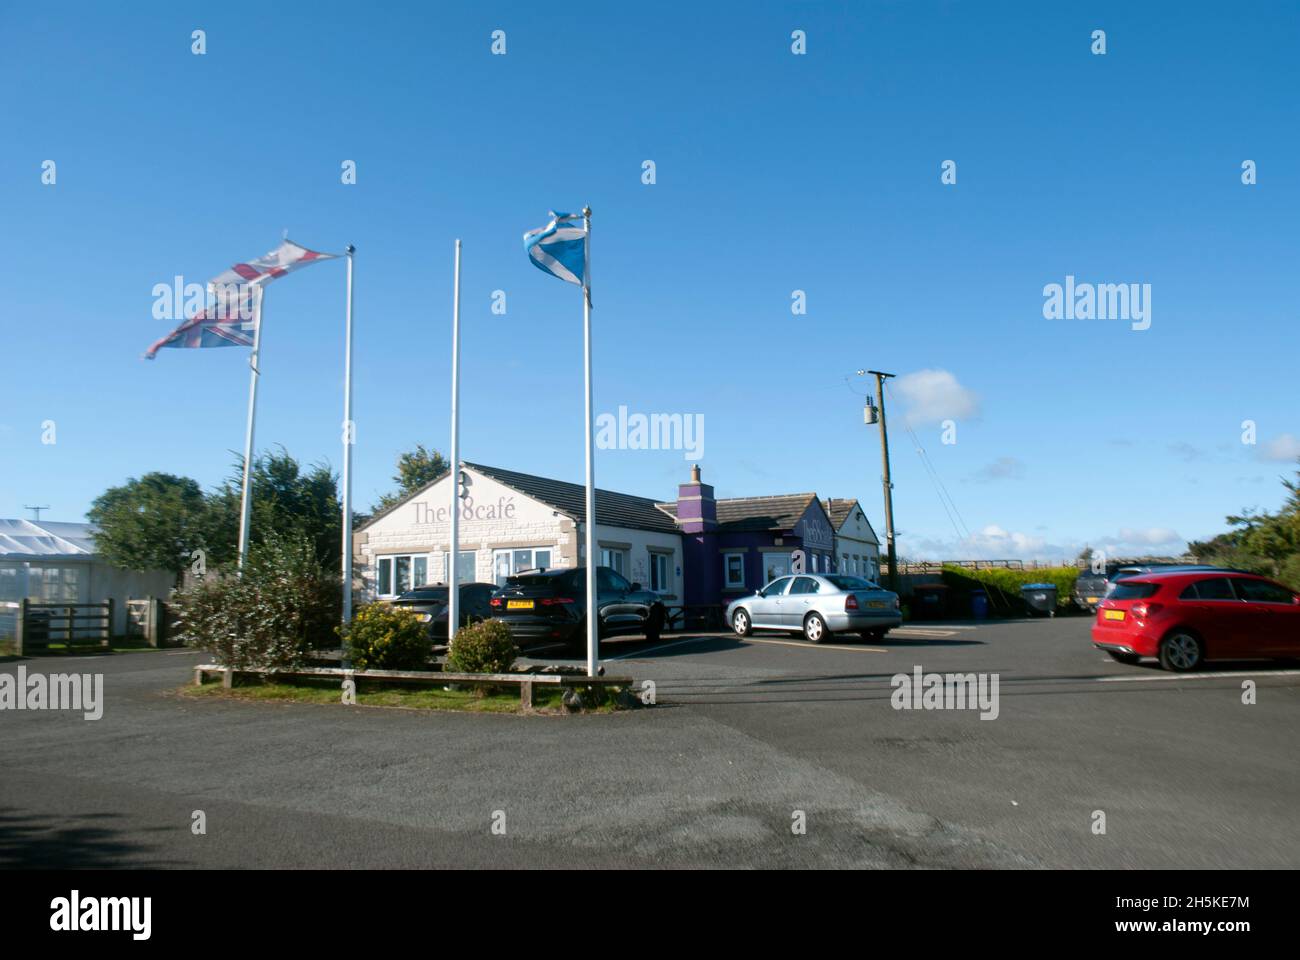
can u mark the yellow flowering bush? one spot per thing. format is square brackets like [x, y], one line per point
[384, 637]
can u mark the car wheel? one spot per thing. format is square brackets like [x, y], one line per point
[814, 628]
[1129, 658]
[1181, 651]
[740, 622]
[654, 624]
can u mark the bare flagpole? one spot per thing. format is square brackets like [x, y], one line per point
[245, 496]
[349, 438]
[593, 611]
[453, 548]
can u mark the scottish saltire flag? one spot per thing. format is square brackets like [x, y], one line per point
[559, 248]
[232, 316]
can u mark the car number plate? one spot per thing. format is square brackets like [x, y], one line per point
[876, 604]
[1114, 615]
[1091, 599]
[519, 604]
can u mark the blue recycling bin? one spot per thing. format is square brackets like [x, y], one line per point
[979, 604]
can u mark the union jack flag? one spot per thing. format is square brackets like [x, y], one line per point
[236, 308]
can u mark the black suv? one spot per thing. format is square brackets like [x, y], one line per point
[430, 604]
[552, 604]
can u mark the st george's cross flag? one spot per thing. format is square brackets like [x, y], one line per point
[236, 293]
[559, 248]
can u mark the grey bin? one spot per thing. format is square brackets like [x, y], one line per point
[1039, 598]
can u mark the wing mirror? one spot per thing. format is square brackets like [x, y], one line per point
[760, 593]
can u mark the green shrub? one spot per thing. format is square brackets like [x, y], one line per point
[384, 637]
[485, 647]
[283, 606]
[1003, 584]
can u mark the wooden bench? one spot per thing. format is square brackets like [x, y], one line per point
[525, 681]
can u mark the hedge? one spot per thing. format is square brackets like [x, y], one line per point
[1003, 584]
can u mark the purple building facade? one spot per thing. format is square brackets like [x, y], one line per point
[732, 547]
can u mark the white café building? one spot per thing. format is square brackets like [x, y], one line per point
[511, 522]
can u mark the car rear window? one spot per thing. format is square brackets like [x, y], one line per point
[534, 580]
[1133, 590]
[851, 583]
[435, 594]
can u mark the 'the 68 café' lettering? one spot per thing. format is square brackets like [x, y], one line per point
[503, 509]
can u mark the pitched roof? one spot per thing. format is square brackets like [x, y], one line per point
[31, 539]
[841, 510]
[748, 514]
[612, 508]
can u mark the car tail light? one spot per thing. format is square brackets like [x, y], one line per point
[496, 602]
[850, 602]
[897, 604]
[1145, 610]
[552, 601]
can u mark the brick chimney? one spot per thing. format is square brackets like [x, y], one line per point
[697, 510]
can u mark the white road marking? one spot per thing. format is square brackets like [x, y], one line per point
[811, 646]
[1202, 676]
[642, 653]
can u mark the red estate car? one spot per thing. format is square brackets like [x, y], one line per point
[1189, 617]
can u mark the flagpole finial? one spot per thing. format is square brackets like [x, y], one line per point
[586, 212]
[351, 249]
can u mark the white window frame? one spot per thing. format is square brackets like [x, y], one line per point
[446, 566]
[391, 559]
[667, 582]
[727, 582]
[509, 554]
[622, 567]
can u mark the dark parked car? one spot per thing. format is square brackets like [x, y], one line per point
[1090, 588]
[552, 605]
[430, 602]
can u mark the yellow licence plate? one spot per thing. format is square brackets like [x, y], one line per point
[1114, 615]
[878, 604]
[1091, 599]
[519, 604]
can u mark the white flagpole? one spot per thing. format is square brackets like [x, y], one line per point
[245, 495]
[593, 611]
[453, 550]
[349, 437]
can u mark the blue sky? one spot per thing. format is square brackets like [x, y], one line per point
[775, 173]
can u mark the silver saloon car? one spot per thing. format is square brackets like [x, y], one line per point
[818, 605]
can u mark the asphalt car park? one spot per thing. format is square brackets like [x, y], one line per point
[746, 731]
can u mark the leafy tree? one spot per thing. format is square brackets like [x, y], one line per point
[150, 523]
[415, 469]
[1266, 543]
[283, 606]
[286, 502]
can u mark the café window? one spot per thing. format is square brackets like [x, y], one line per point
[615, 559]
[733, 570]
[466, 568]
[661, 572]
[395, 575]
[506, 563]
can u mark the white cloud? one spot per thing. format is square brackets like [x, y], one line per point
[931, 396]
[994, 542]
[1284, 447]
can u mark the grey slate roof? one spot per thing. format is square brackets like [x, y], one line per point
[613, 509]
[749, 514]
[839, 511]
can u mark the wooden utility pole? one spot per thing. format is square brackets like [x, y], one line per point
[888, 484]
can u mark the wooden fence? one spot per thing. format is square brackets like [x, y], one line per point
[41, 624]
